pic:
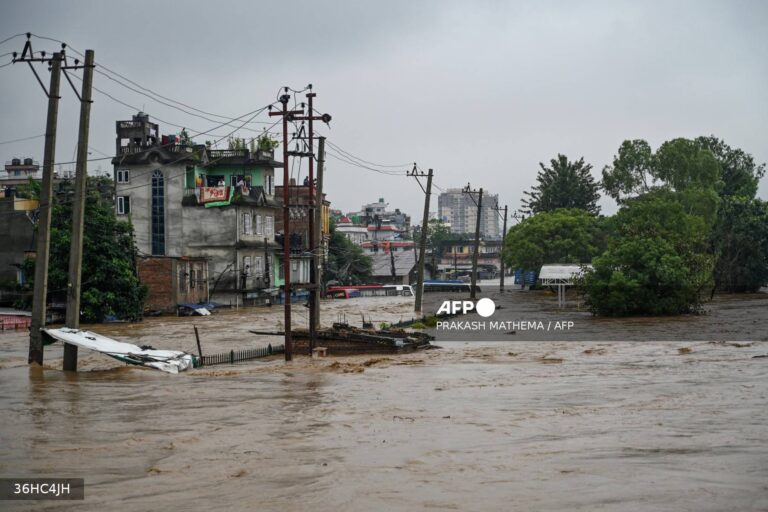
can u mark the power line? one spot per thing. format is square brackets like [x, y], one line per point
[255, 113]
[196, 132]
[230, 120]
[152, 93]
[22, 139]
[342, 158]
[9, 38]
[353, 157]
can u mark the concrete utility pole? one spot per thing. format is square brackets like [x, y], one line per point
[313, 298]
[423, 242]
[317, 278]
[286, 223]
[78, 211]
[479, 203]
[40, 293]
[392, 268]
[501, 251]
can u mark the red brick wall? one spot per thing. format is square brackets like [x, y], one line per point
[157, 275]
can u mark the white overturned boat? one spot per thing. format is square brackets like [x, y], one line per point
[171, 361]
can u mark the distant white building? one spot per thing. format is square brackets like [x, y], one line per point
[377, 229]
[355, 233]
[459, 210]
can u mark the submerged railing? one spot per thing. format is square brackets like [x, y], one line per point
[235, 356]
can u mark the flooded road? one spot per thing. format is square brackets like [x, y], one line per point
[473, 426]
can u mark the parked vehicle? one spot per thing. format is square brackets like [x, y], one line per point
[369, 290]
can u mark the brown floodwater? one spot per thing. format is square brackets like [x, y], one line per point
[533, 425]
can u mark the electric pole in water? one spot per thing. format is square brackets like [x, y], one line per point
[40, 292]
[424, 227]
[501, 250]
[315, 201]
[286, 222]
[78, 208]
[316, 257]
[468, 190]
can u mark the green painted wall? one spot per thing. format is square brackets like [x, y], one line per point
[256, 173]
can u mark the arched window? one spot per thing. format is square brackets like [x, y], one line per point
[158, 214]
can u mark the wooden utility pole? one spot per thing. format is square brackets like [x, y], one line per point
[286, 223]
[78, 213]
[40, 293]
[316, 257]
[479, 203]
[423, 242]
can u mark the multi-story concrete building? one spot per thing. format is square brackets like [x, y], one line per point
[375, 228]
[18, 171]
[17, 231]
[355, 233]
[19, 217]
[378, 212]
[456, 258]
[460, 211]
[191, 201]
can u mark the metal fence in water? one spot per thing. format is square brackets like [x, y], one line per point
[235, 356]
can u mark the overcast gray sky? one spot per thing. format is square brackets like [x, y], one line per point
[479, 91]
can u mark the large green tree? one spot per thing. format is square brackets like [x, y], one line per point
[560, 236]
[739, 174]
[640, 276]
[657, 261]
[681, 164]
[438, 236]
[347, 264]
[710, 179]
[110, 286]
[740, 243]
[564, 184]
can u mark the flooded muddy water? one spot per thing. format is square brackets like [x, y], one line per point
[578, 425]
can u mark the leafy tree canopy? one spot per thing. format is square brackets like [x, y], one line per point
[740, 241]
[347, 264]
[738, 171]
[561, 236]
[110, 285]
[564, 184]
[640, 276]
[679, 165]
[657, 261]
[438, 235]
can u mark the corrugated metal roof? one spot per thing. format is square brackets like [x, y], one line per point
[560, 273]
[382, 263]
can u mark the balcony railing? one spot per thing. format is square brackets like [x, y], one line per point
[215, 154]
[127, 150]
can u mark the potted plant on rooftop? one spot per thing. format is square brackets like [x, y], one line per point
[265, 147]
